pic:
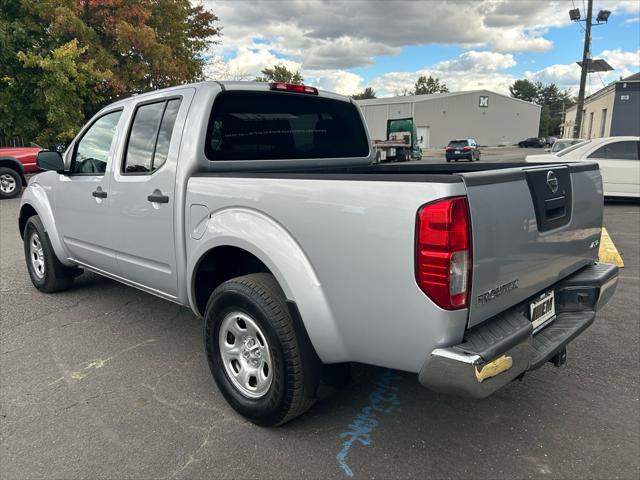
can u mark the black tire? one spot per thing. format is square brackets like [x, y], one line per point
[11, 182]
[295, 368]
[54, 276]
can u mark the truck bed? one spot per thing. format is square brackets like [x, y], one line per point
[359, 237]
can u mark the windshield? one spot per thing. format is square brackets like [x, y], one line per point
[270, 126]
[562, 144]
[458, 143]
[573, 147]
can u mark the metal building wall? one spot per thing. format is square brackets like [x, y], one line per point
[626, 109]
[503, 121]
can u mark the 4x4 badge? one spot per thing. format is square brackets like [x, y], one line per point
[552, 181]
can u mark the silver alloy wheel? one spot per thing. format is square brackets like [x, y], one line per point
[7, 183]
[245, 354]
[37, 255]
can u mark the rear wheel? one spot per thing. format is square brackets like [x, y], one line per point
[47, 273]
[256, 354]
[10, 183]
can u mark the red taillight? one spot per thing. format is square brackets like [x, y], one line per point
[466, 148]
[443, 252]
[292, 87]
[448, 149]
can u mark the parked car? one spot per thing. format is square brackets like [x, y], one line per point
[466, 149]
[618, 158]
[532, 142]
[259, 207]
[14, 163]
[563, 143]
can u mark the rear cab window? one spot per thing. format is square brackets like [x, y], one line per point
[458, 143]
[283, 126]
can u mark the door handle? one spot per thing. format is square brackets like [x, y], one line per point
[158, 198]
[99, 193]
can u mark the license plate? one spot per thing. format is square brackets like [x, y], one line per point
[542, 311]
[457, 151]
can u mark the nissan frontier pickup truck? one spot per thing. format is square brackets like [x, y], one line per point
[259, 207]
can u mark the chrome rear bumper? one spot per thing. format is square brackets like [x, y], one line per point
[503, 348]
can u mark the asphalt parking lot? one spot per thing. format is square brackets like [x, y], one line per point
[103, 381]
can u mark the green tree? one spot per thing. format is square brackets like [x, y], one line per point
[525, 90]
[62, 60]
[280, 73]
[426, 86]
[554, 103]
[367, 93]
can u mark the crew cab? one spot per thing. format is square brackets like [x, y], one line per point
[14, 163]
[260, 208]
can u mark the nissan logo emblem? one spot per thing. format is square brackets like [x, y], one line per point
[552, 181]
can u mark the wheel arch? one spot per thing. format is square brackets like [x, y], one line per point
[265, 247]
[36, 202]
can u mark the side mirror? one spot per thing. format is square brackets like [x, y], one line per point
[421, 139]
[49, 160]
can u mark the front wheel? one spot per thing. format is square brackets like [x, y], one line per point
[47, 273]
[259, 359]
[10, 183]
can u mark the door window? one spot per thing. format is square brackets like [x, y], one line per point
[627, 150]
[150, 136]
[92, 151]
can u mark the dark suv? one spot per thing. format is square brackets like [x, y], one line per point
[466, 149]
[532, 142]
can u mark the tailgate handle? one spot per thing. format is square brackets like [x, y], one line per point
[555, 208]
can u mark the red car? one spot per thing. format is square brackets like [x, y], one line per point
[14, 163]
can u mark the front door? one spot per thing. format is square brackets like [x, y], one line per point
[143, 200]
[82, 200]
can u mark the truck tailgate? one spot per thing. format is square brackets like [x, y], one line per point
[531, 227]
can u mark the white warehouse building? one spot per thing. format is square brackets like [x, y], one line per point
[488, 117]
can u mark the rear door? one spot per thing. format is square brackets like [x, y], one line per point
[532, 226]
[143, 193]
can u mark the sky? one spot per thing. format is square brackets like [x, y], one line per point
[347, 45]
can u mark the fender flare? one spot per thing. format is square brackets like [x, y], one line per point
[273, 245]
[36, 197]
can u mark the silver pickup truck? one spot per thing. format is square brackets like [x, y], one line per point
[258, 206]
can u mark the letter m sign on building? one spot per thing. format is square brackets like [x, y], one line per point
[483, 101]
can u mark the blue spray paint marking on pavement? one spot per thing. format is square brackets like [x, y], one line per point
[383, 399]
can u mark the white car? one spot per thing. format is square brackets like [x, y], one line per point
[618, 157]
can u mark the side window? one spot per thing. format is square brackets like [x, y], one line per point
[627, 150]
[150, 136]
[92, 150]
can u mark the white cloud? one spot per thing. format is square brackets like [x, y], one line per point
[471, 70]
[567, 76]
[339, 81]
[323, 39]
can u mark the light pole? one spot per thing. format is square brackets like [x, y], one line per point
[574, 15]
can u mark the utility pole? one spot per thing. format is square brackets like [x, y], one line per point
[585, 68]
